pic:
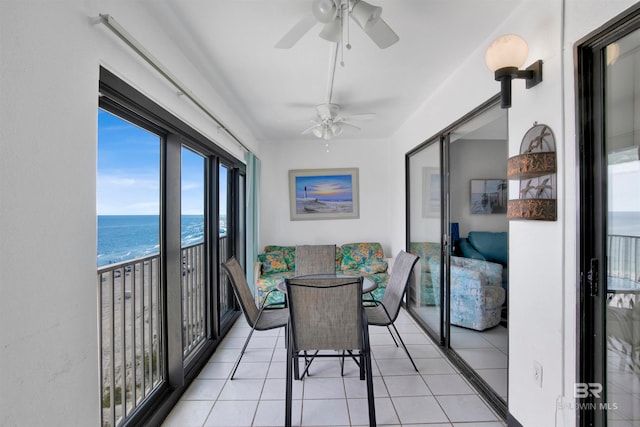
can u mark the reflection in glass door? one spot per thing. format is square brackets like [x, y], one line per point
[225, 226]
[425, 298]
[478, 154]
[609, 118]
[193, 247]
[456, 293]
[622, 145]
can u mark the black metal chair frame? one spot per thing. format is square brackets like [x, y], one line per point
[361, 355]
[270, 319]
[406, 261]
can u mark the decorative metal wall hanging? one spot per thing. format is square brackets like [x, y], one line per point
[535, 168]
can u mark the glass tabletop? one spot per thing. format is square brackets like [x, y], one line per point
[368, 284]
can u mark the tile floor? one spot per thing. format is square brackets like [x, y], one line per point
[436, 396]
[487, 352]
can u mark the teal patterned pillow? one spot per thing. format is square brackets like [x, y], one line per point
[288, 252]
[374, 267]
[356, 254]
[273, 262]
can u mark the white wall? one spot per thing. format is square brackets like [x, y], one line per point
[370, 157]
[476, 159]
[542, 300]
[50, 56]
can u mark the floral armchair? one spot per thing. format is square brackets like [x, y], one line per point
[476, 292]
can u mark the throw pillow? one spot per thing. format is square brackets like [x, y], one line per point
[374, 267]
[288, 252]
[272, 262]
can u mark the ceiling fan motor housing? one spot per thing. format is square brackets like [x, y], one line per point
[327, 111]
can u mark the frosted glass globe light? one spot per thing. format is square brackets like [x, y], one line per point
[365, 15]
[324, 10]
[506, 51]
[332, 31]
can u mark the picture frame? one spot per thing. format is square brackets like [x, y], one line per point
[317, 194]
[431, 192]
[488, 196]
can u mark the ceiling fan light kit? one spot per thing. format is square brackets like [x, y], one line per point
[331, 13]
[365, 15]
[324, 10]
[332, 31]
[329, 124]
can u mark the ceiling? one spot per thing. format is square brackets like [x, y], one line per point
[275, 91]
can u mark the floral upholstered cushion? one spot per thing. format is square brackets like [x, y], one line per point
[273, 262]
[374, 267]
[427, 251]
[288, 252]
[355, 255]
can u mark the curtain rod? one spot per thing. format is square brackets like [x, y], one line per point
[114, 26]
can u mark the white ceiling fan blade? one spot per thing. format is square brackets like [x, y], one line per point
[382, 34]
[297, 32]
[349, 125]
[309, 129]
[362, 116]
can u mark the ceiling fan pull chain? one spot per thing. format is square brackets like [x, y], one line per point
[348, 27]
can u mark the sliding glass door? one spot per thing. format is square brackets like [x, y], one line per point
[425, 216]
[609, 380]
[194, 248]
[456, 208]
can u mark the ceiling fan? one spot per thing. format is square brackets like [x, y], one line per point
[333, 15]
[329, 124]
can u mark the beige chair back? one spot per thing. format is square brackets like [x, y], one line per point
[325, 313]
[315, 259]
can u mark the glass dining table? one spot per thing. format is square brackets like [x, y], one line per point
[368, 284]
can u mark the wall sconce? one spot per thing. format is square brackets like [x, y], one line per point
[504, 57]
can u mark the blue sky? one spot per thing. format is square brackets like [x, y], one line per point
[128, 178]
[332, 187]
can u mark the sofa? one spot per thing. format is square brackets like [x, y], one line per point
[476, 292]
[276, 263]
[486, 246]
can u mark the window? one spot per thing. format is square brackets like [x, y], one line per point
[128, 259]
[158, 260]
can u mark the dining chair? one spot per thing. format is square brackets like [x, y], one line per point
[315, 259]
[257, 317]
[327, 318]
[385, 312]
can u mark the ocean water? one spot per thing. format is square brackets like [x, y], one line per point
[624, 223]
[125, 237]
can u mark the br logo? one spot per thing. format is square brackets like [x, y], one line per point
[585, 390]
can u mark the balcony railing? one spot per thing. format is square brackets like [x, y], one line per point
[623, 271]
[131, 319]
[194, 299]
[130, 335]
[624, 257]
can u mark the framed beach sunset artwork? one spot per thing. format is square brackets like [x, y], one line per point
[323, 194]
